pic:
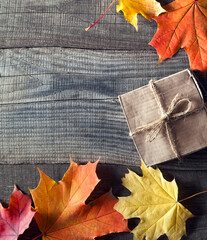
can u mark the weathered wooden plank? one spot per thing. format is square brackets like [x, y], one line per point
[44, 74]
[51, 132]
[62, 23]
[85, 130]
[189, 182]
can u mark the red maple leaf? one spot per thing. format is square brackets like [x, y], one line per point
[184, 25]
[15, 219]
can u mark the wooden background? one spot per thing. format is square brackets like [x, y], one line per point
[58, 98]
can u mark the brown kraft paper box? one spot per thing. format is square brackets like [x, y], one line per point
[167, 118]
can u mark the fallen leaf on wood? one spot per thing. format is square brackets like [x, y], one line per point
[155, 201]
[61, 212]
[130, 8]
[184, 25]
[15, 219]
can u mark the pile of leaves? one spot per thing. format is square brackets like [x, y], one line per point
[181, 24]
[60, 210]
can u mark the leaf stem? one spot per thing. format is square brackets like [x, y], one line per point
[38, 236]
[192, 196]
[101, 16]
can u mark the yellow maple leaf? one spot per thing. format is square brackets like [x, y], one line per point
[155, 201]
[130, 8]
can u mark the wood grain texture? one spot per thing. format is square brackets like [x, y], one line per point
[62, 23]
[45, 74]
[189, 182]
[58, 103]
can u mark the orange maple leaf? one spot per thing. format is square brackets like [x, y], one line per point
[184, 25]
[61, 212]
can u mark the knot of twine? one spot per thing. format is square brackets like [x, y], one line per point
[166, 117]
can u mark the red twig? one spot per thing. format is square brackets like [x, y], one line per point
[101, 16]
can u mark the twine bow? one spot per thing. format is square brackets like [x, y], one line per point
[166, 118]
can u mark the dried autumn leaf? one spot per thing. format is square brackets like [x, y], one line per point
[61, 211]
[155, 201]
[183, 26]
[15, 219]
[130, 8]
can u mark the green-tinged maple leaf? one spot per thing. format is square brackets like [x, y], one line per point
[184, 25]
[155, 201]
[61, 212]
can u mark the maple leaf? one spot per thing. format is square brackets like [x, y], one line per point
[130, 8]
[155, 201]
[15, 219]
[183, 26]
[61, 212]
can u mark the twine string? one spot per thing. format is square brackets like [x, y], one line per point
[166, 117]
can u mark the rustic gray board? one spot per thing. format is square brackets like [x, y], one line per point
[62, 23]
[58, 98]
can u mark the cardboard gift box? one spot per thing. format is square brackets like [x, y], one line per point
[167, 118]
